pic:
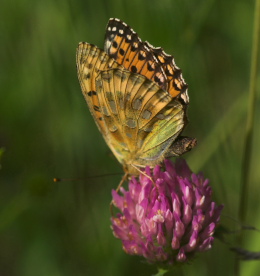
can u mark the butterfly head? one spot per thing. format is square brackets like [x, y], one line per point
[182, 145]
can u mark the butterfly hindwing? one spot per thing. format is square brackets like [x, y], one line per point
[141, 127]
[90, 60]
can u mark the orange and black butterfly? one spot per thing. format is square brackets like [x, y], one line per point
[137, 96]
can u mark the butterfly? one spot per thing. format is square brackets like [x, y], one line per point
[137, 97]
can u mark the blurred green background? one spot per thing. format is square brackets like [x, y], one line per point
[47, 131]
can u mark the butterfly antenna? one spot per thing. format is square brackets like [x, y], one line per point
[56, 179]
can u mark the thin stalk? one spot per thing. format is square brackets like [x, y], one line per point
[246, 160]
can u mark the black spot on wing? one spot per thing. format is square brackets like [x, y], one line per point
[133, 69]
[92, 93]
[157, 80]
[87, 76]
[141, 56]
[114, 44]
[96, 108]
[150, 67]
[121, 51]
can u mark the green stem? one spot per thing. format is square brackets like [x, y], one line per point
[246, 160]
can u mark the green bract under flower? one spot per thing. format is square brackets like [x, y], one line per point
[169, 218]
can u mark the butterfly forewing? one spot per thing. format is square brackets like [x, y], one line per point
[175, 81]
[125, 46]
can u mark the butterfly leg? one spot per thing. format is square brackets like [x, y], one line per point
[143, 173]
[117, 189]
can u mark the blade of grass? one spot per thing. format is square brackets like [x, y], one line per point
[246, 160]
[222, 130]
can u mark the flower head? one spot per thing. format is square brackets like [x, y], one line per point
[166, 216]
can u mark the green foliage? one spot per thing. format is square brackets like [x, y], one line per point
[161, 272]
[46, 130]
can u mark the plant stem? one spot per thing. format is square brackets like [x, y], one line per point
[246, 160]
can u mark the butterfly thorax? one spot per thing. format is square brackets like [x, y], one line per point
[135, 162]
